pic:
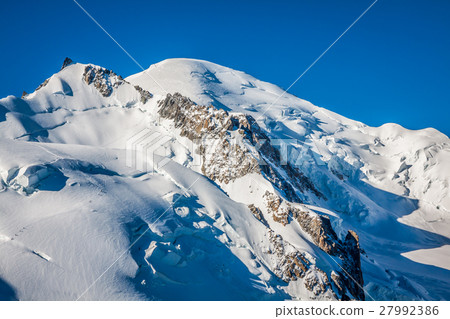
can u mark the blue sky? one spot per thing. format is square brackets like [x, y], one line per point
[392, 66]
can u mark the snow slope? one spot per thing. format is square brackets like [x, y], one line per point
[71, 207]
[390, 182]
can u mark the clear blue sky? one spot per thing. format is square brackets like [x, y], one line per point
[392, 66]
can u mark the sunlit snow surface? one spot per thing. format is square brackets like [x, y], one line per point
[70, 207]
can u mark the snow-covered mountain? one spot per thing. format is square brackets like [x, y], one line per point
[245, 193]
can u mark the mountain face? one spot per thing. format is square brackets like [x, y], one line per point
[193, 181]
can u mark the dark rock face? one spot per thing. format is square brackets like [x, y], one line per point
[273, 203]
[43, 84]
[105, 81]
[211, 128]
[339, 284]
[145, 95]
[352, 264]
[319, 228]
[258, 214]
[67, 61]
[292, 265]
[349, 278]
[215, 126]
[99, 77]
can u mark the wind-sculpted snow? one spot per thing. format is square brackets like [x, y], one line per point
[245, 195]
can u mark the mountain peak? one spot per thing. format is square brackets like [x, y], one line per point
[67, 61]
[264, 191]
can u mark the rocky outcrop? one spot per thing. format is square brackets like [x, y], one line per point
[43, 84]
[145, 95]
[339, 284]
[105, 81]
[224, 158]
[258, 214]
[273, 203]
[316, 280]
[67, 61]
[292, 265]
[319, 228]
[233, 145]
[349, 278]
[352, 265]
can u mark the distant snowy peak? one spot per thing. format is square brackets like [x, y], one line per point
[76, 89]
[75, 84]
[209, 83]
